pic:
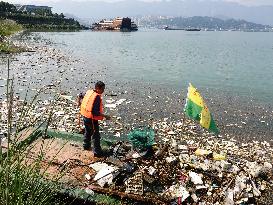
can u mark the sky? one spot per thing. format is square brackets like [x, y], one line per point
[44, 2]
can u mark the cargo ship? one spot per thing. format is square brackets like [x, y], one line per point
[118, 24]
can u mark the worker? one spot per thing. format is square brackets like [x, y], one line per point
[92, 111]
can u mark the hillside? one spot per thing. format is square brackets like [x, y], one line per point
[38, 19]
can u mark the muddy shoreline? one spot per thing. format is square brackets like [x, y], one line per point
[146, 103]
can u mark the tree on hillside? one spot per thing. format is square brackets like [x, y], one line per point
[42, 12]
[61, 15]
[6, 7]
[38, 18]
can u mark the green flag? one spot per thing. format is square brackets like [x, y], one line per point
[196, 109]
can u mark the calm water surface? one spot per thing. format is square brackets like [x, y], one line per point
[240, 63]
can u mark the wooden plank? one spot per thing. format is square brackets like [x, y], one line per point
[146, 199]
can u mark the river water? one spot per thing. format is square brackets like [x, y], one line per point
[237, 62]
[232, 70]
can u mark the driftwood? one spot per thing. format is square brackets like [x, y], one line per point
[145, 199]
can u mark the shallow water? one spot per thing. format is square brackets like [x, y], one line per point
[237, 62]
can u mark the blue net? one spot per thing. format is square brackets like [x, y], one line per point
[142, 138]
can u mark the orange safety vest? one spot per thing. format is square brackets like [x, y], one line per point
[88, 103]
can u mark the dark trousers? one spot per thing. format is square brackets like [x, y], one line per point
[91, 133]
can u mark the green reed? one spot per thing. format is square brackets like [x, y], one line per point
[23, 181]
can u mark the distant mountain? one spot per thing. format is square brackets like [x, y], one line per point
[204, 23]
[185, 8]
[85, 22]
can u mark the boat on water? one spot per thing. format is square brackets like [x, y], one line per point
[168, 28]
[118, 24]
[192, 29]
[184, 29]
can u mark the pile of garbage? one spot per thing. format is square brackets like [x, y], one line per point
[186, 167]
[174, 163]
[63, 114]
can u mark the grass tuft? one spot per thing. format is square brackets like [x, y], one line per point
[8, 28]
